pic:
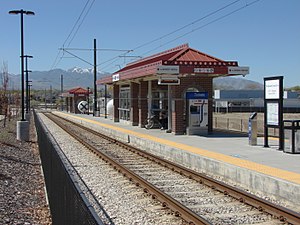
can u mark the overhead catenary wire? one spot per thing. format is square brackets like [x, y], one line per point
[115, 59]
[205, 25]
[187, 25]
[57, 59]
[78, 57]
[81, 22]
[88, 49]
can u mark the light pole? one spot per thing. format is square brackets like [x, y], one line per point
[26, 83]
[96, 112]
[29, 85]
[61, 92]
[23, 125]
[21, 12]
[51, 96]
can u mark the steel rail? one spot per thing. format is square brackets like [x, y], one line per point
[282, 213]
[179, 209]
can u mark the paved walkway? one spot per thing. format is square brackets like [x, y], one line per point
[233, 145]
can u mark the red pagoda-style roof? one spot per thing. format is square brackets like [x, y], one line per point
[189, 61]
[76, 91]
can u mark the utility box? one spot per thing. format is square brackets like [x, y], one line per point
[252, 129]
[292, 133]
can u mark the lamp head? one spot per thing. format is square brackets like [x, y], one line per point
[29, 13]
[15, 12]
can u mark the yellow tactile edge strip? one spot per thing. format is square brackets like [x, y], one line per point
[274, 172]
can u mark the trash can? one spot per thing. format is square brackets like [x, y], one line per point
[292, 134]
[252, 129]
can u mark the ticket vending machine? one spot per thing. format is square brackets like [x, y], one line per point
[197, 109]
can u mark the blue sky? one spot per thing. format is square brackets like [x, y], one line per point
[264, 36]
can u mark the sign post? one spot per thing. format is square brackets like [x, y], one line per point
[273, 104]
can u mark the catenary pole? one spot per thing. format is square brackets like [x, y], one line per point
[95, 78]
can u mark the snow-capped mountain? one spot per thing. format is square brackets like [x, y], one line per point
[82, 70]
[71, 78]
[77, 76]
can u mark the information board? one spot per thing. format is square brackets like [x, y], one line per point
[272, 89]
[273, 114]
[273, 108]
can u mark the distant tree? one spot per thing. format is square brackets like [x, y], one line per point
[4, 107]
[295, 88]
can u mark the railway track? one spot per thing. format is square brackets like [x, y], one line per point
[194, 197]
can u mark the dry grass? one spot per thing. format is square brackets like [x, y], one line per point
[239, 121]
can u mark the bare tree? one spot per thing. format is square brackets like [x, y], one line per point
[4, 107]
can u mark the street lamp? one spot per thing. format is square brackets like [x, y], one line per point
[29, 85]
[23, 125]
[26, 83]
[16, 12]
[28, 95]
[96, 112]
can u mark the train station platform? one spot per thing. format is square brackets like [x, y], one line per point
[264, 171]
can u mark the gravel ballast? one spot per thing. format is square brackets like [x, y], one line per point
[22, 192]
[123, 201]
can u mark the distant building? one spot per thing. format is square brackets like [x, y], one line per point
[73, 97]
[251, 100]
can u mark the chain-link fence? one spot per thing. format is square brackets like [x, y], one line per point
[68, 204]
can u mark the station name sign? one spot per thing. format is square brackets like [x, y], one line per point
[167, 70]
[115, 77]
[238, 70]
[204, 70]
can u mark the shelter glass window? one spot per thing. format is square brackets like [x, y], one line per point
[124, 103]
[159, 100]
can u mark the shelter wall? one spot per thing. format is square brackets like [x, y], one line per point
[179, 116]
[139, 101]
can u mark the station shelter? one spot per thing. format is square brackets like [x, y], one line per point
[178, 81]
[72, 98]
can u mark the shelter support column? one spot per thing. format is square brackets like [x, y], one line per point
[73, 105]
[134, 110]
[143, 104]
[67, 104]
[116, 93]
[178, 126]
[149, 97]
[208, 85]
[169, 109]
[178, 123]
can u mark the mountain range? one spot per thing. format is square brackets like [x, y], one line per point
[77, 76]
[73, 77]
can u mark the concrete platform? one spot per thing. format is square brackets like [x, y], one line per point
[266, 171]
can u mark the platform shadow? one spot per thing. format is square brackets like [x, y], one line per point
[224, 134]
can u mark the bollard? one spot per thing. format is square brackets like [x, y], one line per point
[23, 130]
[252, 129]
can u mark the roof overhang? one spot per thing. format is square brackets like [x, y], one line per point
[182, 62]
